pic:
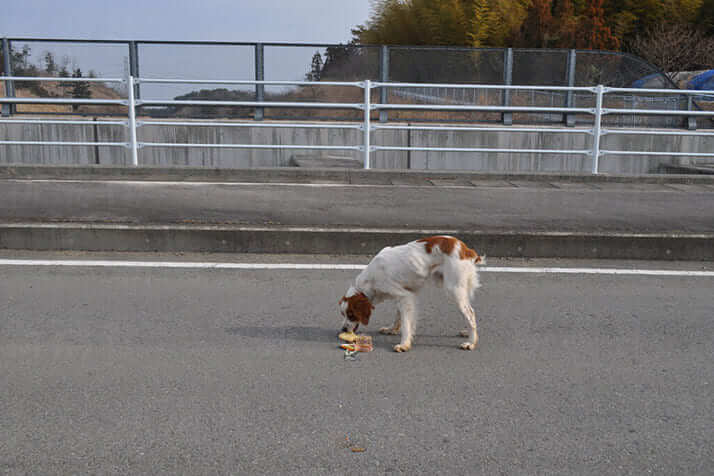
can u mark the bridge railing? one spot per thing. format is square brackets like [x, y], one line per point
[367, 126]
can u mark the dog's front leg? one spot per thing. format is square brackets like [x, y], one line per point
[407, 311]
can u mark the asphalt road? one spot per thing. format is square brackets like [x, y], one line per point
[135, 370]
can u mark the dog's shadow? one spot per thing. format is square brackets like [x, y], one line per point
[321, 334]
[299, 333]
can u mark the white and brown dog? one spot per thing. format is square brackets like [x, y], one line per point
[399, 272]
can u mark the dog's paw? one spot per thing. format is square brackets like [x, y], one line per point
[388, 331]
[467, 346]
[464, 333]
[402, 348]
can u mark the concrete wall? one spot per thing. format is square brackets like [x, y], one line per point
[246, 158]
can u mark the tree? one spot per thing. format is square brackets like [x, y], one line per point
[50, 64]
[63, 73]
[19, 59]
[566, 23]
[475, 23]
[344, 63]
[418, 22]
[594, 32]
[705, 17]
[19, 63]
[315, 68]
[80, 89]
[21, 66]
[675, 47]
[537, 30]
[588, 24]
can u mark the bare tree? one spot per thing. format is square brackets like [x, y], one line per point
[675, 48]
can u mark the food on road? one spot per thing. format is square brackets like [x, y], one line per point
[355, 343]
[357, 347]
[353, 338]
[348, 336]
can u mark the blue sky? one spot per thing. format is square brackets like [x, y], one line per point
[303, 21]
[296, 21]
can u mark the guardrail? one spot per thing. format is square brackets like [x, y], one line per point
[366, 127]
[21, 100]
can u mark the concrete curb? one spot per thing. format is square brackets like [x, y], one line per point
[243, 239]
[317, 175]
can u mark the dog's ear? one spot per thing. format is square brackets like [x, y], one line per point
[362, 308]
[359, 308]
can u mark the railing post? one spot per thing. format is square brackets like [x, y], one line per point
[691, 120]
[570, 118]
[366, 125]
[597, 129]
[8, 109]
[259, 76]
[507, 117]
[132, 122]
[134, 66]
[383, 77]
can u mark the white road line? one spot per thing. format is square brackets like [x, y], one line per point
[189, 183]
[177, 264]
[318, 266]
[621, 271]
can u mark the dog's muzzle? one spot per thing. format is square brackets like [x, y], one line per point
[346, 328]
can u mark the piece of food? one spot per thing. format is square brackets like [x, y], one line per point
[365, 340]
[348, 336]
[356, 347]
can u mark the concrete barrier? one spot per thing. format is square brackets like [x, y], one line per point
[242, 239]
[108, 208]
[246, 158]
[325, 175]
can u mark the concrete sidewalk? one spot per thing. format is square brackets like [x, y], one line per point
[355, 211]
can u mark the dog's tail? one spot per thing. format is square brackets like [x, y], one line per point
[468, 253]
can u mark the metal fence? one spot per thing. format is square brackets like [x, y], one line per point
[367, 106]
[258, 62]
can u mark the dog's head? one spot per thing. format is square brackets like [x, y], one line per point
[356, 309]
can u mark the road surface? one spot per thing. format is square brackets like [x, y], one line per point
[136, 366]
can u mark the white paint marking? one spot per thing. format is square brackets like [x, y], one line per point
[178, 264]
[632, 272]
[336, 183]
[318, 266]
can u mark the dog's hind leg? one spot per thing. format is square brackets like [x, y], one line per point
[460, 281]
[461, 295]
[470, 315]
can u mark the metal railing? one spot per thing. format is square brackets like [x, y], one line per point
[340, 62]
[67, 101]
[366, 147]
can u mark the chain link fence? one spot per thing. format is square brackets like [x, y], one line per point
[322, 62]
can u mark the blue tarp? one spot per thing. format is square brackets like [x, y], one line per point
[654, 81]
[702, 82]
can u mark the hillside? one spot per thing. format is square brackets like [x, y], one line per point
[55, 90]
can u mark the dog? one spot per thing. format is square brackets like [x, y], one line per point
[399, 272]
